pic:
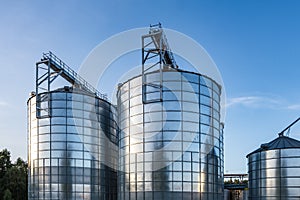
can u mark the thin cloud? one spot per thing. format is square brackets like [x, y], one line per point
[261, 102]
[3, 103]
[241, 100]
[252, 101]
[294, 107]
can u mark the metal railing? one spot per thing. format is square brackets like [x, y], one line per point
[160, 40]
[68, 71]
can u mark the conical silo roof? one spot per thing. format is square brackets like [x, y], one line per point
[281, 142]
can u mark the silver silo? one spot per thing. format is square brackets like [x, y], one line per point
[72, 137]
[274, 170]
[171, 140]
[71, 155]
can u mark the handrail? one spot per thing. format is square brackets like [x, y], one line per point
[154, 29]
[72, 74]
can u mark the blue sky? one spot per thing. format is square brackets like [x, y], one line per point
[255, 45]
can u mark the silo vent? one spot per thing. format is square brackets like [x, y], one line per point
[32, 93]
[264, 146]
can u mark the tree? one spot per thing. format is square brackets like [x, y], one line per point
[13, 177]
[5, 162]
[7, 195]
[15, 180]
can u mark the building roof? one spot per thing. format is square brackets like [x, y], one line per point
[282, 142]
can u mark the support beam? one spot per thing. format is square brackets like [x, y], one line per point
[49, 69]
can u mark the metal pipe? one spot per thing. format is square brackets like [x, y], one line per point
[289, 126]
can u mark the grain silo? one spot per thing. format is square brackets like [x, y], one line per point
[72, 138]
[171, 139]
[274, 169]
[163, 140]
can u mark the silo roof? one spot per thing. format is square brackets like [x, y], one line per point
[282, 142]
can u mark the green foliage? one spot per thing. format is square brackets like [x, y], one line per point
[236, 181]
[7, 195]
[5, 162]
[13, 178]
